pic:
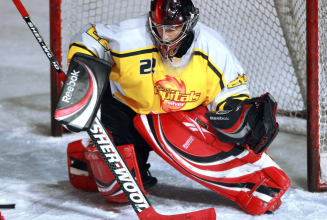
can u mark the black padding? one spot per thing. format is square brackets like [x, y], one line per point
[225, 120]
[78, 164]
[118, 118]
[185, 45]
[231, 104]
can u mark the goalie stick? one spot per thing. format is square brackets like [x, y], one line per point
[7, 206]
[110, 154]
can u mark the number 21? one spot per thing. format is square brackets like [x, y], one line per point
[148, 66]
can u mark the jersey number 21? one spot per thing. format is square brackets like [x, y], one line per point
[148, 66]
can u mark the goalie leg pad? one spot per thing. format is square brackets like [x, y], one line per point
[79, 169]
[106, 183]
[253, 181]
[80, 97]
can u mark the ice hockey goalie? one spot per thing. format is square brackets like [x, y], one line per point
[176, 80]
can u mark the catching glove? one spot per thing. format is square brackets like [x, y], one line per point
[252, 122]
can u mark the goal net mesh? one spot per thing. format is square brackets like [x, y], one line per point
[267, 36]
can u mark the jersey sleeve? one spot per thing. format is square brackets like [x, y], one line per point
[233, 77]
[87, 41]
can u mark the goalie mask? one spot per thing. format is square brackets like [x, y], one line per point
[167, 16]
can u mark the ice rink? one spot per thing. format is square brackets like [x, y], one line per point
[33, 165]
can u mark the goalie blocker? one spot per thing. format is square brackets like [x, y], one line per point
[252, 122]
[80, 97]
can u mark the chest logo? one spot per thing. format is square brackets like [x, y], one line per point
[173, 94]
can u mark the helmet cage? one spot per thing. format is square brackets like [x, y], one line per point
[169, 47]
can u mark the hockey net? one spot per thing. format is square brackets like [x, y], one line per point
[267, 36]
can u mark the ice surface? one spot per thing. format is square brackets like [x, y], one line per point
[33, 170]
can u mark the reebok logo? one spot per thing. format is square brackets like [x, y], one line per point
[194, 126]
[219, 118]
[71, 86]
[188, 142]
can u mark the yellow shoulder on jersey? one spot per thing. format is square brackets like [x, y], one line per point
[215, 76]
[213, 68]
[78, 48]
[93, 33]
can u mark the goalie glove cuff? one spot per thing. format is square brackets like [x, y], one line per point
[230, 125]
[252, 122]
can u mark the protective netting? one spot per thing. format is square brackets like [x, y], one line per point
[77, 13]
[251, 28]
[267, 36]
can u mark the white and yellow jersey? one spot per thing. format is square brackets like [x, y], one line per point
[206, 75]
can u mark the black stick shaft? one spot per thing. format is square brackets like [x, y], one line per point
[7, 206]
[118, 167]
[43, 45]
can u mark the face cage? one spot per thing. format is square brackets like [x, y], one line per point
[169, 48]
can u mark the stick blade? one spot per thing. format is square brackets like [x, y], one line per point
[205, 214]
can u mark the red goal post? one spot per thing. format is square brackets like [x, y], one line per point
[55, 46]
[280, 44]
[314, 66]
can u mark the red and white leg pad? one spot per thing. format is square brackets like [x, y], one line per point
[79, 169]
[88, 171]
[107, 185]
[187, 142]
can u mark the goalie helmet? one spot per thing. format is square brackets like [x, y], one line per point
[171, 15]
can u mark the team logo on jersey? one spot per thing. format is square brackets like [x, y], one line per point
[93, 33]
[241, 80]
[173, 94]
